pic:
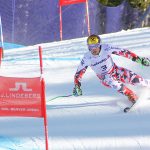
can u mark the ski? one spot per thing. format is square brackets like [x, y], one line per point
[127, 109]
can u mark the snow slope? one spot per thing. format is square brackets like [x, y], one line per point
[94, 121]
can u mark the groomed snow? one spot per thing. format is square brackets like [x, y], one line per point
[94, 121]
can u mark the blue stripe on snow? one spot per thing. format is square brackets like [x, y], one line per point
[11, 143]
[8, 46]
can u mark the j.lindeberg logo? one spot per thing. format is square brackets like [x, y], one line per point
[20, 85]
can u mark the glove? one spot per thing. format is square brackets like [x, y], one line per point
[144, 61]
[77, 91]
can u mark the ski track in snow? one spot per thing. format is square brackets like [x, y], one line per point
[94, 121]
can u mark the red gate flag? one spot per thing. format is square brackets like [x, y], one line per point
[21, 97]
[69, 2]
[24, 97]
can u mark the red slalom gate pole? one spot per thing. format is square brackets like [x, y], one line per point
[44, 113]
[1, 49]
[41, 62]
[43, 99]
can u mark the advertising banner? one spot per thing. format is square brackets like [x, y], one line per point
[20, 97]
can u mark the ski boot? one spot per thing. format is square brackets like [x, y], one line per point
[130, 94]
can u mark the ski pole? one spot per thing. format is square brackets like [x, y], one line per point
[60, 97]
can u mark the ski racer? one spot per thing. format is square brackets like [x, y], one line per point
[99, 58]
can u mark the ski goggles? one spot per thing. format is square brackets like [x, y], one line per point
[92, 46]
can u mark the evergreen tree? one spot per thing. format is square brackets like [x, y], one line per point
[141, 4]
[110, 2]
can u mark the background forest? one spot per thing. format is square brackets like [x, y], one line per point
[141, 4]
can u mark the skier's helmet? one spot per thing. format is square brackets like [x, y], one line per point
[93, 41]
